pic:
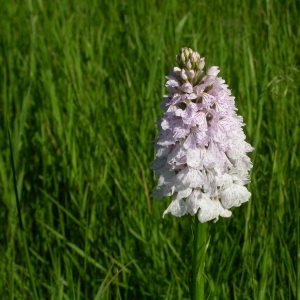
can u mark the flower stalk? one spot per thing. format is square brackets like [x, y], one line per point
[200, 248]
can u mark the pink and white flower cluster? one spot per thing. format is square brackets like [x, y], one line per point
[201, 150]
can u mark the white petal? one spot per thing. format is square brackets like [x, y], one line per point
[208, 100]
[183, 194]
[180, 130]
[210, 186]
[194, 158]
[211, 209]
[212, 71]
[224, 181]
[225, 213]
[192, 96]
[234, 195]
[177, 156]
[177, 208]
[187, 88]
[172, 83]
[193, 202]
[190, 177]
[190, 141]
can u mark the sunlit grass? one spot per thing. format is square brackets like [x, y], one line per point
[80, 87]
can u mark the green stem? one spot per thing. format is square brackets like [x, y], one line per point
[198, 260]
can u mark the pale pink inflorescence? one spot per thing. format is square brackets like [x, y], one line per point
[201, 149]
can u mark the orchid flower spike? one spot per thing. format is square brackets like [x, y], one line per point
[201, 158]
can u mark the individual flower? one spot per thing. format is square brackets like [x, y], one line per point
[201, 149]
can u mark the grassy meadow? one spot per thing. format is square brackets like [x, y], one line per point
[80, 87]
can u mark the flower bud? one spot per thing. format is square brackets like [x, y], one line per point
[186, 53]
[191, 74]
[183, 75]
[188, 65]
[201, 63]
[195, 57]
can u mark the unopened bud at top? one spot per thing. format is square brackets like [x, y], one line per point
[190, 60]
[202, 63]
[183, 75]
[191, 74]
[188, 65]
[195, 57]
[183, 57]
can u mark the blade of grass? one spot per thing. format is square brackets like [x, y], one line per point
[23, 234]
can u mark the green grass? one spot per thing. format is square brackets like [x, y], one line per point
[80, 87]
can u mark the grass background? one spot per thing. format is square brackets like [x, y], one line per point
[80, 87]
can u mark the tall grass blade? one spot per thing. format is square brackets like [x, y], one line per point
[23, 233]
